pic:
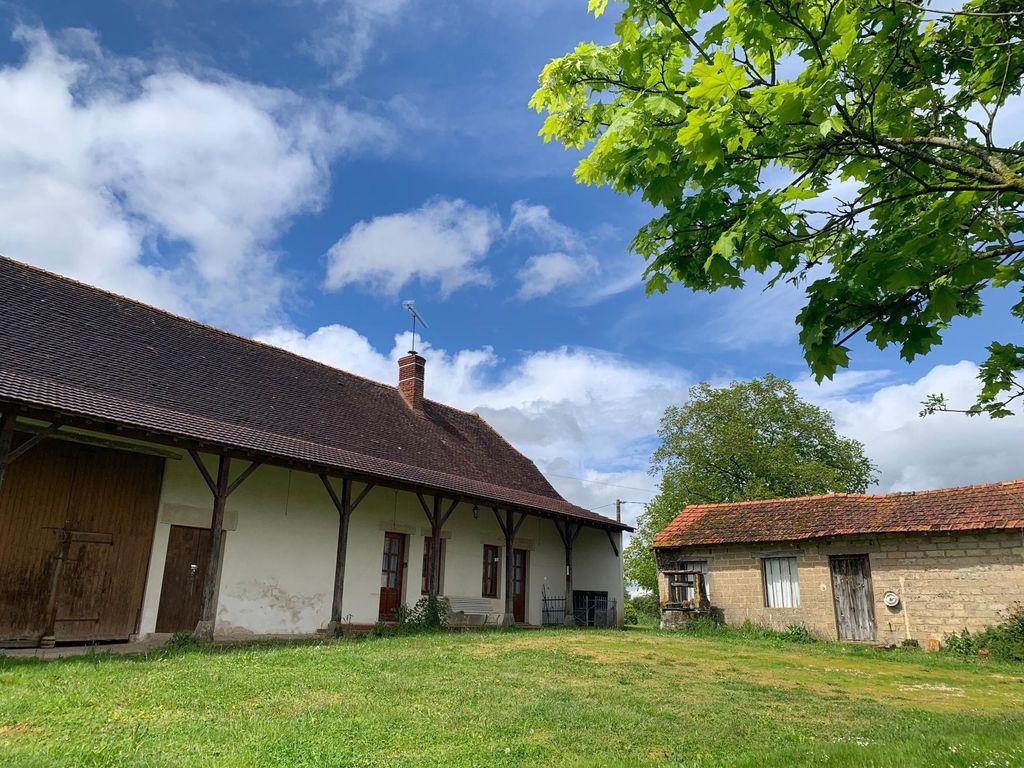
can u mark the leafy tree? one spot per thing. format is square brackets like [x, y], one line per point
[743, 121]
[750, 440]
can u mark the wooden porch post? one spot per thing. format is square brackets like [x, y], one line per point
[437, 520]
[221, 489]
[568, 535]
[345, 507]
[510, 528]
[208, 616]
[434, 583]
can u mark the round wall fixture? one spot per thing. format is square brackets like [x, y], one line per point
[891, 599]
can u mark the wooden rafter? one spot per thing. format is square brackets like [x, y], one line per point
[253, 466]
[611, 540]
[13, 454]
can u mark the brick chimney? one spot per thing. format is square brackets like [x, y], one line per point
[410, 380]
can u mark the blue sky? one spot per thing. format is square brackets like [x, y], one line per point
[293, 169]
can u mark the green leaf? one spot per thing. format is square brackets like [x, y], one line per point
[944, 302]
[719, 80]
[829, 124]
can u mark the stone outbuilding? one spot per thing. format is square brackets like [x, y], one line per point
[882, 568]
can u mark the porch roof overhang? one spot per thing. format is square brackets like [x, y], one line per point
[38, 398]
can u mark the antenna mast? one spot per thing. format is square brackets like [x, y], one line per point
[410, 307]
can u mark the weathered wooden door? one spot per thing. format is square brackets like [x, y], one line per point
[76, 528]
[851, 589]
[519, 585]
[181, 596]
[34, 503]
[392, 575]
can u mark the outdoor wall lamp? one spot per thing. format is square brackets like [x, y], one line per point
[476, 512]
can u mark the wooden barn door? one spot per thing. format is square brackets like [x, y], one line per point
[181, 596]
[851, 589]
[392, 575]
[519, 585]
[76, 528]
[34, 502]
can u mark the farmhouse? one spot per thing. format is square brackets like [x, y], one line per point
[876, 568]
[159, 475]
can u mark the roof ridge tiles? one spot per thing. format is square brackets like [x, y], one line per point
[846, 495]
[983, 506]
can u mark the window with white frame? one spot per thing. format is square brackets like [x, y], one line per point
[781, 585]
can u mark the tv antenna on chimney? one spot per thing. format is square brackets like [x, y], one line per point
[410, 307]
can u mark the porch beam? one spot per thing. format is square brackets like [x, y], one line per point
[426, 507]
[253, 466]
[201, 466]
[11, 455]
[451, 508]
[611, 540]
[501, 523]
[362, 495]
[191, 444]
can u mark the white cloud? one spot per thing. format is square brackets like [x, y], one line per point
[442, 242]
[536, 220]
[157, 182]
[569, 264]
[544, 274]
[915, 453]
[348, 32]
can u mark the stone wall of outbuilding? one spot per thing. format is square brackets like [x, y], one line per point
[945, 581]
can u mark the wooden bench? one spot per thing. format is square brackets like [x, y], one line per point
[472, 612]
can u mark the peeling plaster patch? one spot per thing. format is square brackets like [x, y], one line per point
[264, 607]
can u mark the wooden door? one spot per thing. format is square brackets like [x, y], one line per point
[76, 529]
[851, 590]
[34, 503]
[519, 585]
[392, 575]
[181, 595]
[112, 517]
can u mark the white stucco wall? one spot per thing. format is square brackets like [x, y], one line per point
[280, 544]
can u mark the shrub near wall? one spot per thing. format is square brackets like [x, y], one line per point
[1003, 641]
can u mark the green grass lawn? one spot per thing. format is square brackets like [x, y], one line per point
[532, 698]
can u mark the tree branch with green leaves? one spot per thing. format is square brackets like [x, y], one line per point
[854, 148]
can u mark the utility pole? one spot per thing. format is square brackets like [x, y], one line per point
[618, 510]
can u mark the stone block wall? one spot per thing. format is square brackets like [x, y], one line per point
[946, 581]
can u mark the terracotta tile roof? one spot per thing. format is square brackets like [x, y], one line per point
[77, 350]
[995, 505]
